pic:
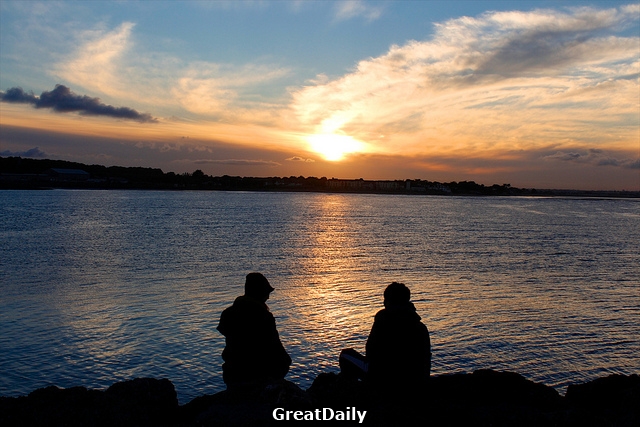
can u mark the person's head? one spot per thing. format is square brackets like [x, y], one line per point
[257, 286]
[396, 294]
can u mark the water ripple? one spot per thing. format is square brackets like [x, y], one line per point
[99, 287]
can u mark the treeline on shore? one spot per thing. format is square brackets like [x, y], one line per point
[27, 173]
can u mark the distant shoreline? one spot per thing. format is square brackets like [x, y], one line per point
[18, 173]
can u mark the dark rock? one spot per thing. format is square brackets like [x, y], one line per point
[334, 390]
[140, 402]
[609, 401]
[226, 409]
[249, 407]
[483, 398]
[488, 397]
[52, 406]
[488, 387]
[613, 391]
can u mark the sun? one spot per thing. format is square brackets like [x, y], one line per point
[334, 147]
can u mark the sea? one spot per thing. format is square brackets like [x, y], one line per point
[101, 286]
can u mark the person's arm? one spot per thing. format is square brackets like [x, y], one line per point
[427, 344]
[374, 341]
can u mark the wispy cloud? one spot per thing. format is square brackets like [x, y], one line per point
[208, 88]
[63, 100]
[110, 63]
[349, 9]
[503, 80]
[98, 63]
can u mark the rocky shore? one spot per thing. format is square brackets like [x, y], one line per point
[481, 398]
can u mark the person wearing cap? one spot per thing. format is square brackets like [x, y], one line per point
[254, 354]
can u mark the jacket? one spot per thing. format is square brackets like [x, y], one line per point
[253, 350]
[398, 347]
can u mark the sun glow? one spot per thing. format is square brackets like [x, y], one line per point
[334, 147]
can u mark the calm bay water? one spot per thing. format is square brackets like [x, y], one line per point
[103, 286]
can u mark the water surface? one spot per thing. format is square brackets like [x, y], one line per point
[102, 286]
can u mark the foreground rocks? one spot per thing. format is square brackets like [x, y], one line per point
[483, 398]
[139, 402]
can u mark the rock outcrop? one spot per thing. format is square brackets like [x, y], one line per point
[482, 398]
[139, 402]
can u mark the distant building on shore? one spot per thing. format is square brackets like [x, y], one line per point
[58, 174]
[364, 185]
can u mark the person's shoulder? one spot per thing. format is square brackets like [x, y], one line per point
[381, 316]
[227, 311]
[244, 302]
[227, 318]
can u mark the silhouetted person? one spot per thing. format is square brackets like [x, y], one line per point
[398, 348]
[253, 355]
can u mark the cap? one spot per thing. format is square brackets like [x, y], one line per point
[257, 284]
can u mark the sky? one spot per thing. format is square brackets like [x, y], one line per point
[536, 94]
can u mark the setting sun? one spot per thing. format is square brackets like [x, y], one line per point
[334, 147]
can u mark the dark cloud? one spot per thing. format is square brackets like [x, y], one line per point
[299, 159]
[567, 157]
[239, 162]
[595, 157]
[34, 152]
[535, 51]
[18, 96]
[63, 100]
[608, 162]
[541, 42]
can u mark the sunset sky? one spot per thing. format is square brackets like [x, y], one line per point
[540, 94]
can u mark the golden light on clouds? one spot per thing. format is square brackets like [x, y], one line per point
[499, 81]
[166, 130]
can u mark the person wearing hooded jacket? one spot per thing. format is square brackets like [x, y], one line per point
[254, 354]
[399, 347]
[398, 350]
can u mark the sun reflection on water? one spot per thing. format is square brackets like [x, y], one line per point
[330, 299]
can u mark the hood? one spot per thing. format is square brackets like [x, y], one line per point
[247, 301]
[401, 312]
